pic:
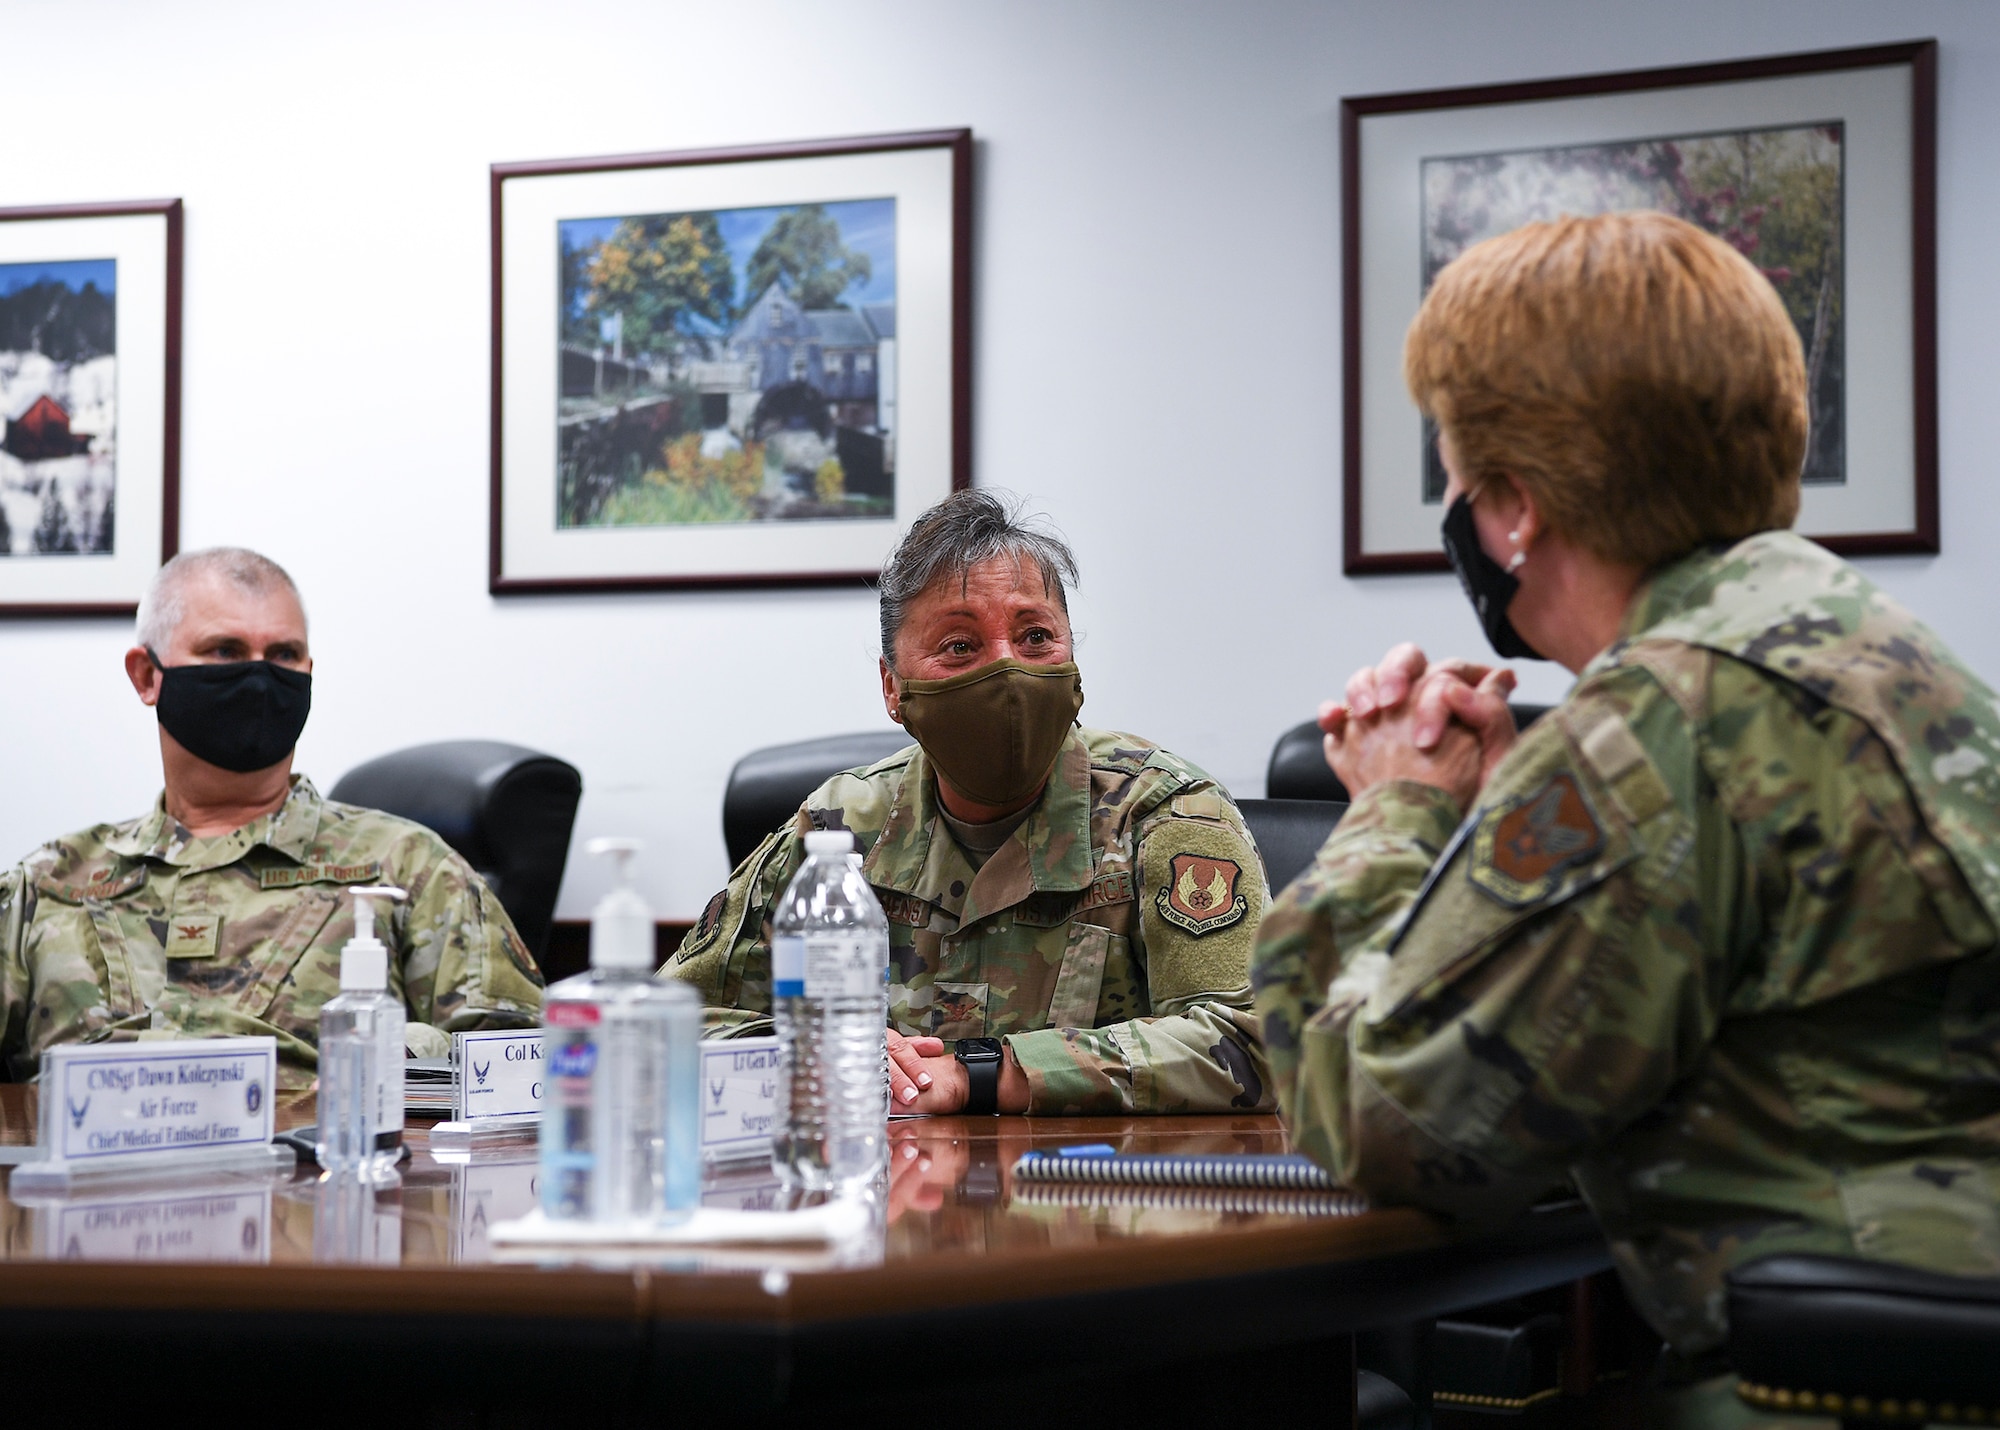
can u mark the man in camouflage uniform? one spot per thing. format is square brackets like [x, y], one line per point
[1102, 930]
[1716, 939]
[224, 910]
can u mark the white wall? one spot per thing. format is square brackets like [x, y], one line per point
[1157, 357]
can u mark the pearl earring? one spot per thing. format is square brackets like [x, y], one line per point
[1519, 556]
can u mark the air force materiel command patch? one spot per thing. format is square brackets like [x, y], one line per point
[1200, 895]
[1524, 845]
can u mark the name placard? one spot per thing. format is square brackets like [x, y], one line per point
[111, 1104]
[739, 1087]
[499, 1074]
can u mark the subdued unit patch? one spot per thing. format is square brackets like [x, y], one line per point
[1525, 843]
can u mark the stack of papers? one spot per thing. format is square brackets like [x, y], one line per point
[427, 1086]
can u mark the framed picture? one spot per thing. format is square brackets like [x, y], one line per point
[1820, 168]
[90, 404]
[728, 367]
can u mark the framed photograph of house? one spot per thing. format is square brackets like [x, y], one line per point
[729, 367]
[1820, 168]
[90, 395]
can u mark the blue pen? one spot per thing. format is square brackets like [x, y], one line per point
[1089, 1149]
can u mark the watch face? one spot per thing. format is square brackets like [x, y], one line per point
[977, 1049]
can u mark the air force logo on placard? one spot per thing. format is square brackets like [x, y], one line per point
[480, 1070]
[253, 1097]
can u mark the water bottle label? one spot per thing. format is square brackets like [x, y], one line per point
[788, 966]
[841, 966]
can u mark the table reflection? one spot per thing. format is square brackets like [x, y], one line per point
[948, 1189]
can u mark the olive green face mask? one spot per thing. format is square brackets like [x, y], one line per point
[994, 732]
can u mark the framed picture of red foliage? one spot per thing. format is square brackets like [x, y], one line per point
[1820, 168]
[90, 392]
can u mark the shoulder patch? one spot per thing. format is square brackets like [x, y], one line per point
[710, 921]
[1523, 844]
[1201, 894]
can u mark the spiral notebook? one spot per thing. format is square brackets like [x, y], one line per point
[1198, 1199]
[1100, 1164]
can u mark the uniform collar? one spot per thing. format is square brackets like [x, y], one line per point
[1050, 852]
[289, 830]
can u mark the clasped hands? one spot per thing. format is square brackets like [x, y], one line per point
[924, 1078]
[1444, 724]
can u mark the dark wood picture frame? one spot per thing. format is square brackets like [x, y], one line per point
[960, 146]
[1921, 538]
[172, 211]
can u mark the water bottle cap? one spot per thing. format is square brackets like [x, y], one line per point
[830, 841]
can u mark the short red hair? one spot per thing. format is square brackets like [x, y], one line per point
[1639, 377]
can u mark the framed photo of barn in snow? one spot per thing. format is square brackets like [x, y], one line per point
[1819, 168]
[90, 339]
[735, 367]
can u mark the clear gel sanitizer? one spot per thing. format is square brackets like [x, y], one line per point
[361, 1055]
[621, 1101]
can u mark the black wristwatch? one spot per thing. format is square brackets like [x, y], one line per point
[981, 1058]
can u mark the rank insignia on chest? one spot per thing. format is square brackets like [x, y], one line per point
[1200, 895]
[193, 935]
[1523, 846]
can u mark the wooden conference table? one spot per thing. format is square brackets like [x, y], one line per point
[981, 1301]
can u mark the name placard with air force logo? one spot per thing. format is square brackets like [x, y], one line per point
[499, 1074]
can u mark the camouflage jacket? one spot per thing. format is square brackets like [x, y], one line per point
[1718, 942]
[141, 930]
[1108, 940]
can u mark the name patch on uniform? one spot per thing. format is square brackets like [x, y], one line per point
[105, 886]
[1113, 888]
[1200, 895]
[1523, 846]
[193, 935]
[905, 909]
[320, 874]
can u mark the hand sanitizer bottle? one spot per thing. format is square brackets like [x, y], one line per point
[621, 1099]
[361, 1055]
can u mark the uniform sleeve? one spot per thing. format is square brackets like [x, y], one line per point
[1455, 1036]
[1201, 894]
[16, 988]
[464, 966]
[727, 955]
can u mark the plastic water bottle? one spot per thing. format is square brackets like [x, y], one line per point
[830, 1000]
[621, 1099]
[361, 1056]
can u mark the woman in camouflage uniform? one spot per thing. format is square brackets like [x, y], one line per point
[1716, 938]
[1083, 897]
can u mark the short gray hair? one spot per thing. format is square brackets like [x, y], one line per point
[967, 529]
[165, 601]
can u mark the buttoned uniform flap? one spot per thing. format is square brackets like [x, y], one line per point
[1561, 815]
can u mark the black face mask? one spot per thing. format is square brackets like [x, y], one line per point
[1488, 585]
[245, 715]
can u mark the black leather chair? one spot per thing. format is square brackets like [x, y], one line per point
[1289, 832]
[1298, 768]
[1869, 1342]
[508, 810]
[767, 786]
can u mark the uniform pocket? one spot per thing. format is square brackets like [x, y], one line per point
[1074, 1003]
